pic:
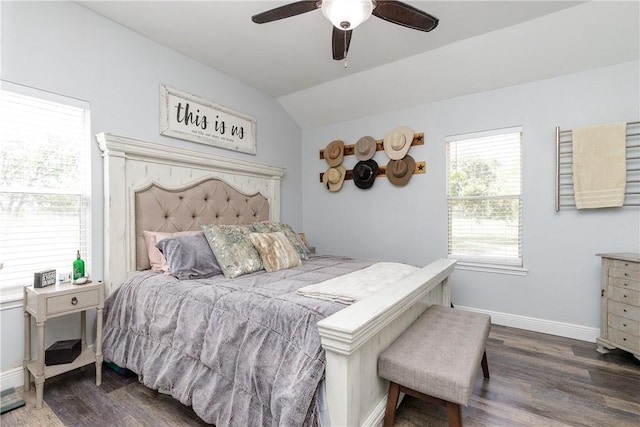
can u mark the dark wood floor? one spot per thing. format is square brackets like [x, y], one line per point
[536, 380]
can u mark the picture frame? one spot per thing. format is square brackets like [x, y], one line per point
[192, 118]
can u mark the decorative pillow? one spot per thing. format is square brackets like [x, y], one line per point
[294, 239]
[276, 251]
[189, 256]
[156, 259]
[232, 248]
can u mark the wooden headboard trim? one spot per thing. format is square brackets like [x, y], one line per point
[131, 164]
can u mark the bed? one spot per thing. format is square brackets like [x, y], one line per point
[139, 176]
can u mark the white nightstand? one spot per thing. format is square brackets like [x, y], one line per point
[53, 301]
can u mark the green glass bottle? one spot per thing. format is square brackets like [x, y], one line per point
[78, 267]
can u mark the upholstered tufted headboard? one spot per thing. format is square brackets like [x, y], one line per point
[154, 187]
[208, 202]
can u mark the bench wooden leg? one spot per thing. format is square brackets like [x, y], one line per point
[392, 402]
[485, 365]
[454, 414]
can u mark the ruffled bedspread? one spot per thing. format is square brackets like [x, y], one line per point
[241, 352]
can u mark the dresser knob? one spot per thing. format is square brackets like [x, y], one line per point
[624, 309]
[626, 274]
[624, 325]
[74, 301]
[624, 339]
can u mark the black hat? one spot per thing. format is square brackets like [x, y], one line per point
[364, 173]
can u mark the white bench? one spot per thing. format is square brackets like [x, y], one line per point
[437, 359]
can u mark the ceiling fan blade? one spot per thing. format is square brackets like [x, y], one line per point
[340, 41]
[406, 15]
[286, 11]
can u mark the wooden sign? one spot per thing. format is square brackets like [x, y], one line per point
[189, 117]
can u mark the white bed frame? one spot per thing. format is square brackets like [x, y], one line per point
[352, 338]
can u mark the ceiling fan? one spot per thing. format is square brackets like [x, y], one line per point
[345, 15]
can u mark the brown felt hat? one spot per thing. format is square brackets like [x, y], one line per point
[399, 171]
[365, 148]
[334, 177]
[397, 142]
[334, 153]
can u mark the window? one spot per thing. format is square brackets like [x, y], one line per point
[484, 182]
[44, 184]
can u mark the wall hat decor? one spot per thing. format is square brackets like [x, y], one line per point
[365, 148]
[334, 177]
[403, 167]
[397, 142]
[334, 153]
[364, 173]
[399, 171]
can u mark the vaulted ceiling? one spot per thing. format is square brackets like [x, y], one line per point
[477, 46]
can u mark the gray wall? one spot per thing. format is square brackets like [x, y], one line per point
[410, 224]
[64, 48]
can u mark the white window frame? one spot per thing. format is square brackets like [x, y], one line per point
[11, 295]
[481, 262]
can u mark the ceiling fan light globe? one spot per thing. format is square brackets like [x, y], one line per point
[347, 14]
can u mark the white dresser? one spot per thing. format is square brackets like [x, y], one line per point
[620, 303]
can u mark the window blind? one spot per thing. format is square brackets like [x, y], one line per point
[44, 183]
[484, 193]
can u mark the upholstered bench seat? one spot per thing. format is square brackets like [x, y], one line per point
[437, 359]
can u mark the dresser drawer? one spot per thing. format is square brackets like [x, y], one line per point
[623, 339]
[629, 265]
[624, 273]
[72, 302]
[628, 326]
[634, 285]
[624, 310]
[623, 295]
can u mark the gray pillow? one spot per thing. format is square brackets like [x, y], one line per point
[189, 256]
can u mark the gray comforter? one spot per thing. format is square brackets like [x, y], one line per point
[242, 352]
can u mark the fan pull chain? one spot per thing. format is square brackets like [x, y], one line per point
[345, 50]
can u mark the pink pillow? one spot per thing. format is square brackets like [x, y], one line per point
[156, 259]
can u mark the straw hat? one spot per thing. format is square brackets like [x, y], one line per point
[334, 177]
[399, 171]
[397, 142]
[334, 153]
[365, 148]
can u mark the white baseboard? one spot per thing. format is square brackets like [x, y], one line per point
[567, 330]
[11, 378]
[14, 377]
[376, 417]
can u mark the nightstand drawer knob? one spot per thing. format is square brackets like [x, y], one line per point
[74, 301]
